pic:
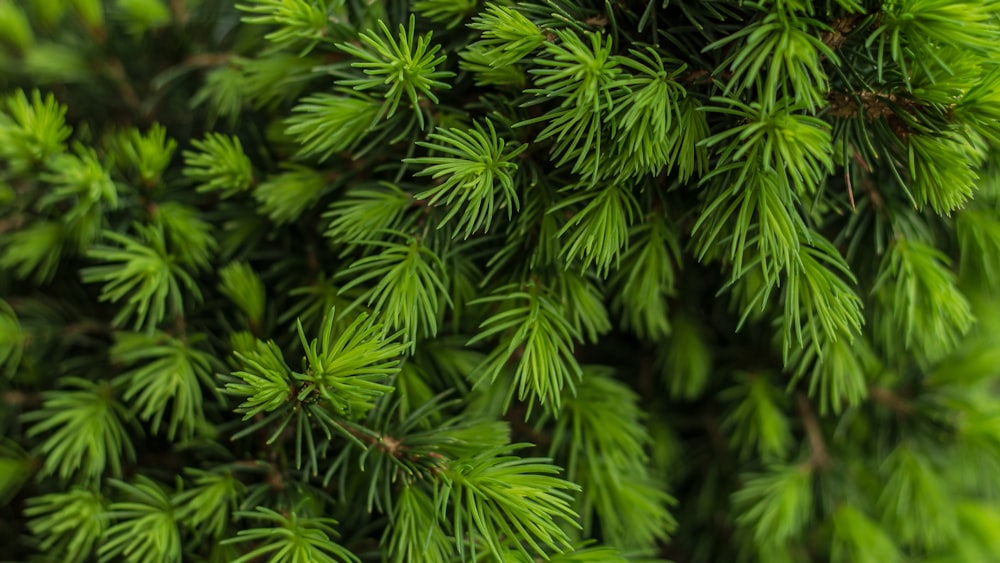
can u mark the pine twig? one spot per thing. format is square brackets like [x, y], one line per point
[819, 458]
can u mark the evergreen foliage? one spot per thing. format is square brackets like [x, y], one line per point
[446, 281]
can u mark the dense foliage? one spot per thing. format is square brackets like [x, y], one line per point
[448, 280]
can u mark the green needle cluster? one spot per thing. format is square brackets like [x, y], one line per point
[448, 281]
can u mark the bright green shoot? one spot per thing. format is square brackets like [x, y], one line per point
[406, 65]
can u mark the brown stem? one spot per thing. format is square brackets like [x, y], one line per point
[180, 12]
[116, 71]
[11, 223]
[200, 60]
[701, 76]
[888, 398]
[839, 30]
[850, 187]
[388, 444]
[20, 399]
[180, 327]
[515, 415]
[818, 457]
[873, 105]
[86, 327]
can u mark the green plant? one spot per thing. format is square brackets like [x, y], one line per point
[564, 280]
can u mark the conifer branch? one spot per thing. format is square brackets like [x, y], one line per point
[700, 253]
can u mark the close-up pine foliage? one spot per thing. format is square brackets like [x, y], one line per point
[456, 280]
